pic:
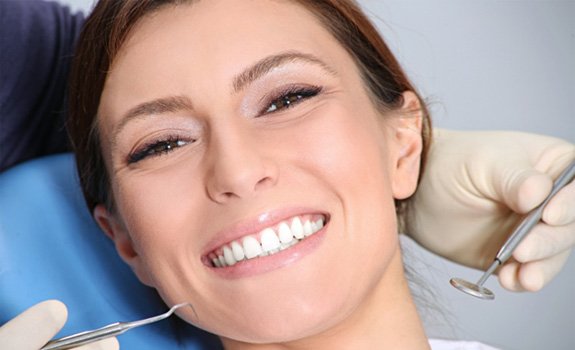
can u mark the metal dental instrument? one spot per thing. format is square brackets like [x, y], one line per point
[108, 331]
[477, 289]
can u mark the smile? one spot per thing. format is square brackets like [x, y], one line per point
[269, 241]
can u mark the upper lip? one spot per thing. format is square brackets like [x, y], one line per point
[255, 225]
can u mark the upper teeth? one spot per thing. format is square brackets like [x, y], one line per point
[268, 241]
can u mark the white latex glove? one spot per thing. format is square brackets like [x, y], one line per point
[474, 187]
[33, 328]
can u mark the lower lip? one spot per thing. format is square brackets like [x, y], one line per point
[269, 263]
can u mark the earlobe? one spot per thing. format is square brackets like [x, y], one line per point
[115, 230]
[103, 218]
[407, 131]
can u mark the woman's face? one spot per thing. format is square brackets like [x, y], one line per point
[226, 124]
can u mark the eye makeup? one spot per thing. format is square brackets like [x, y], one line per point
[284, 87]
[158, 147]
[289, 97]
[276, 102]
[277, 91]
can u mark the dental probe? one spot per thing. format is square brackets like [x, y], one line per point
[524, 227]
[108, 331]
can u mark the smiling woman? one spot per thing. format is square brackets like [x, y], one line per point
[249, 156]
[254, 167]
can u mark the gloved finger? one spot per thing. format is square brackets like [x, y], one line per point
[561, 208]
[535, 275]
[544, 241]
[521, 187]
[34, 327]
[508, 277]
[531, 276]
[104, 344]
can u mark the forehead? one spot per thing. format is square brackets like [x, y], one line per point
[196, 49]
[217, 36]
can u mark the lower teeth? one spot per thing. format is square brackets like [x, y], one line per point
[282, 247]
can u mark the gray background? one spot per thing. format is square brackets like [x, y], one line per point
[488, 64]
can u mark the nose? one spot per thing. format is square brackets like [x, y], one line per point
[239, 166]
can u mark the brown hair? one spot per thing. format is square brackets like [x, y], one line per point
[112, 20]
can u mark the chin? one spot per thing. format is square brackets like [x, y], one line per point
[284, 313]
[283, 327]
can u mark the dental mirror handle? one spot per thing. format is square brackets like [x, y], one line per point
[534, 216]
[110, 330]
[87, 337]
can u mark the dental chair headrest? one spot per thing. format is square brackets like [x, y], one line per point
[50, 248]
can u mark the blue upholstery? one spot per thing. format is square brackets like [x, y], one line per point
[50, 248]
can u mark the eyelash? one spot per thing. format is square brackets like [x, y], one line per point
[157, 148]
[284, 100]
[289, 98]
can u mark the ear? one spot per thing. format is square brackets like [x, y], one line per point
[408, 146]
[115, 230]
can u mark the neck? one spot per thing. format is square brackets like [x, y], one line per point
[387, 319]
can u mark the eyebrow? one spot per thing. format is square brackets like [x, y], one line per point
[161, 105]
[172, 104]
[267, 64]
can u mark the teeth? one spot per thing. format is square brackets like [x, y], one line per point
[285, 246]
[312, 225]
[252, 247]
[297, 228]
[271, 243]
[307, 230]
[270, 240]
[238, 251]
[285, 233]
[229, 256]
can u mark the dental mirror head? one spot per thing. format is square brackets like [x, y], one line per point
[472, 289]
[477, 289]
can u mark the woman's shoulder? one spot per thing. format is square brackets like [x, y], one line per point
[441, 344]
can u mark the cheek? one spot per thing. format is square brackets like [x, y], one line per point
[350, 155]
[157, 210]
[349, 150]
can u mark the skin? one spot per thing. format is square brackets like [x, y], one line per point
[240, 166]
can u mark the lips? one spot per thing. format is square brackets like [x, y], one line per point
[270, 240]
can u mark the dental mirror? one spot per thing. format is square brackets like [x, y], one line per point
[524, 227]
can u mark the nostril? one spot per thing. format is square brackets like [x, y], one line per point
[240, 177]
[263, 183]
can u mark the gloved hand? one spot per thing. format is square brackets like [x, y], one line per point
[473, 192]
[33, 328]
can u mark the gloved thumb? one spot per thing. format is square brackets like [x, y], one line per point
[33, 328]
[521, 187]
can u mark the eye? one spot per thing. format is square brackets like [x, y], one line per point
[291, 97]
[157, 148]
